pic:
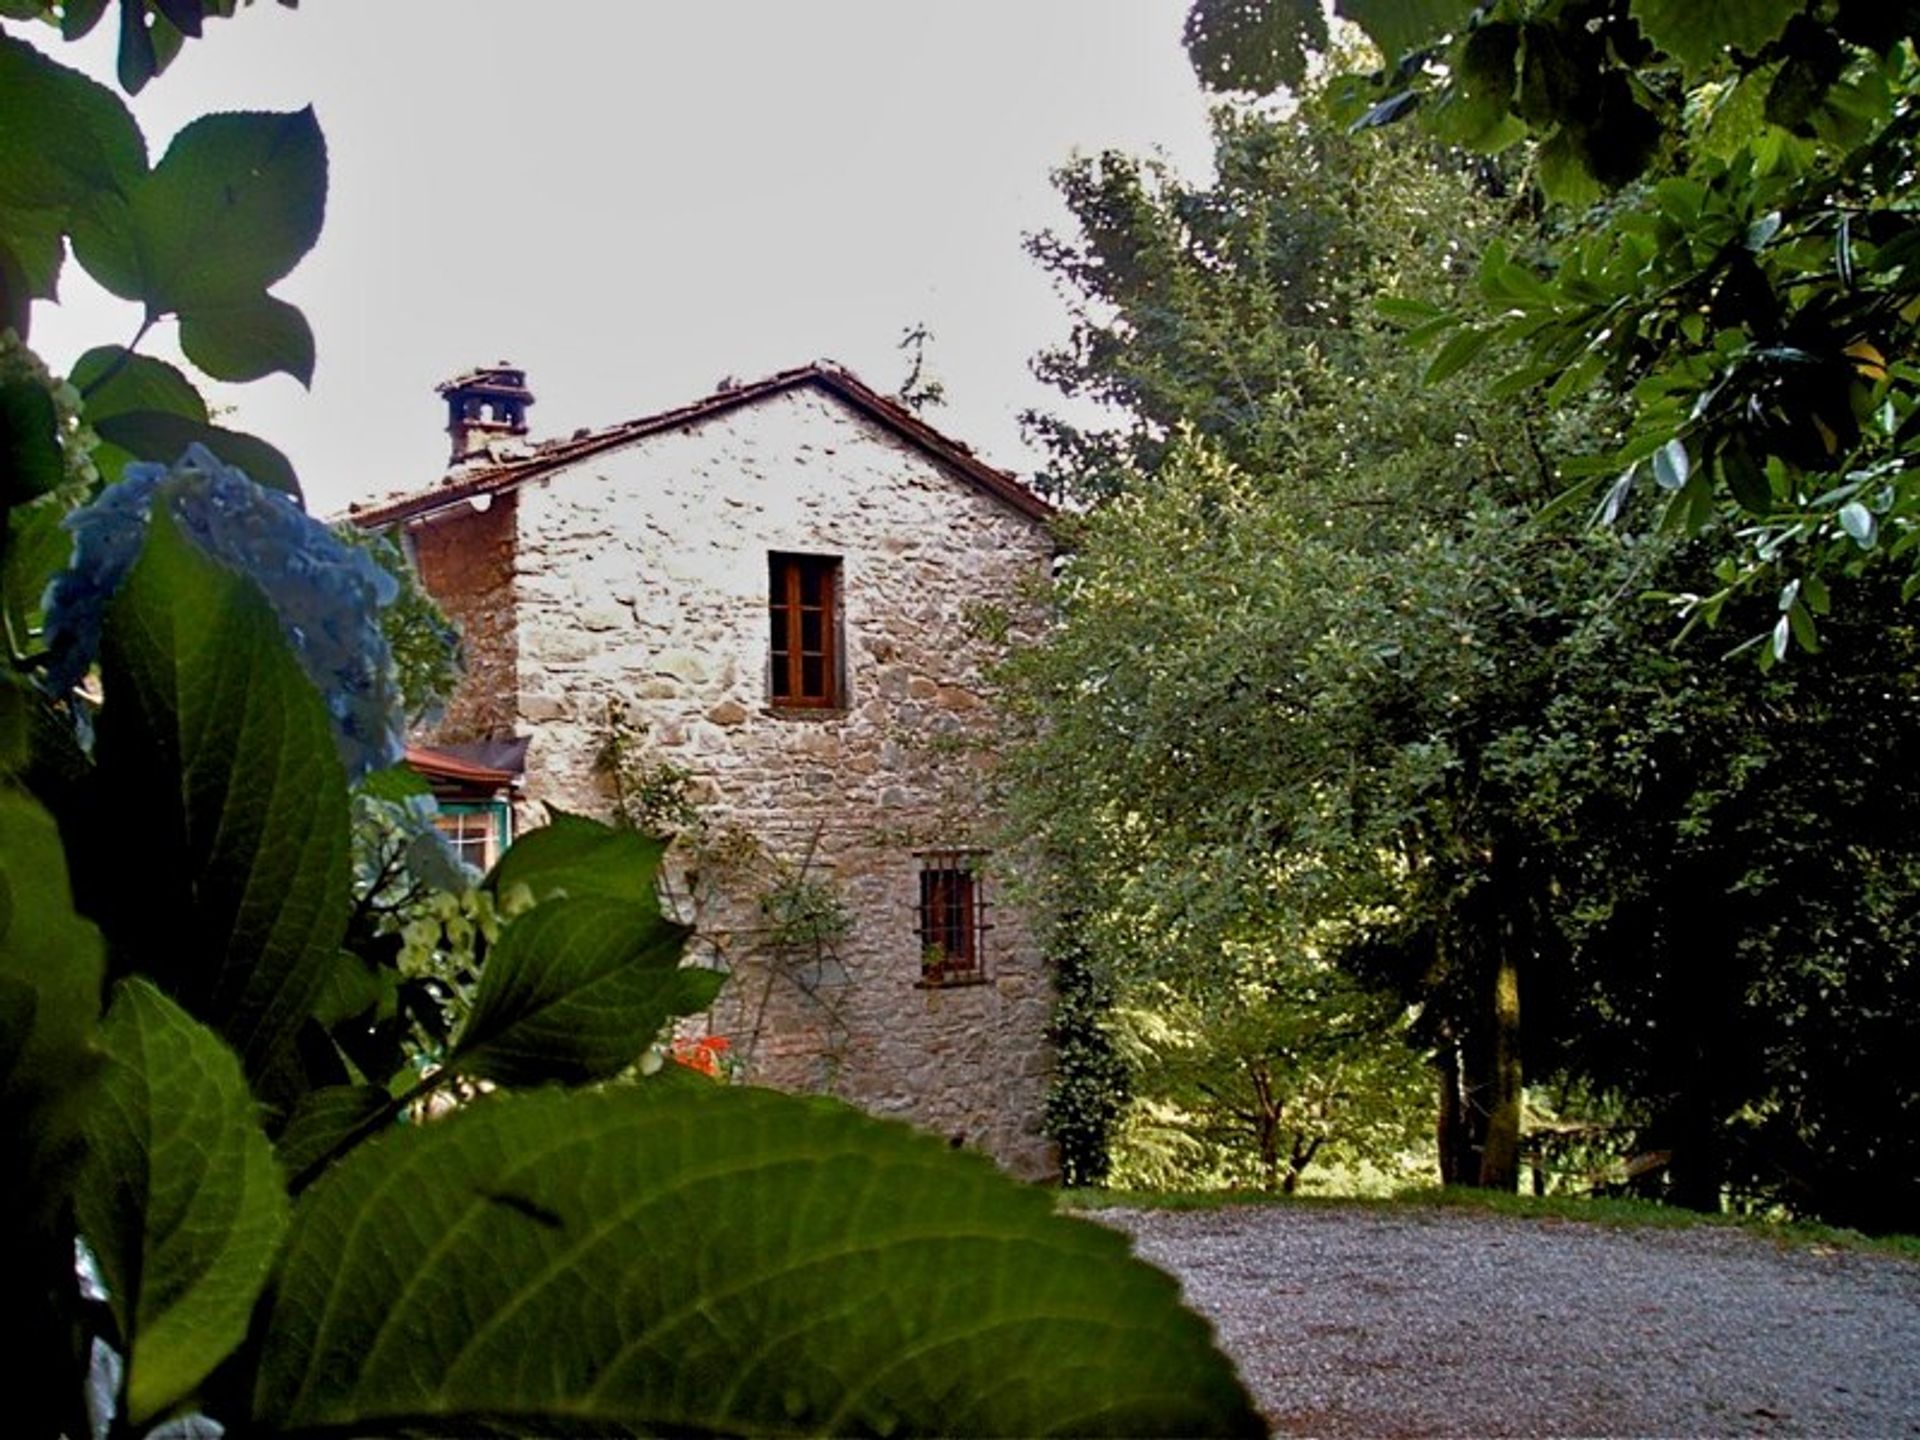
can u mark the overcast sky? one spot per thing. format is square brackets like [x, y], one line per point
[631, 199]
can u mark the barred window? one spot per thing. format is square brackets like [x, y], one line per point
[952, 917]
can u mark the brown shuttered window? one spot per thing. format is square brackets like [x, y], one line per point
[804, 609]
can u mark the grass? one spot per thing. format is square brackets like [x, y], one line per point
[1621, 1214]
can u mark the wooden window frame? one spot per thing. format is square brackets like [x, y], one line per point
[488, 821]
[789, 655]
[950, 916]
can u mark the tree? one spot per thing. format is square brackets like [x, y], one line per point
[1259, 1083]
[1270, 644]
[1353, 697]
[206, 1095]
[1731, 253]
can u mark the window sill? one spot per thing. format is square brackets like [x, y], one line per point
[807, 712]
[951, 982]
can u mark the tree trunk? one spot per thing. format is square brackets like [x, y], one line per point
[1500, 1153]
[1453, 1130]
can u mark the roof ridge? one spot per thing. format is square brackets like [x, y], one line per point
[491, 476]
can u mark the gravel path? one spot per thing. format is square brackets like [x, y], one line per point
[1438, 1322]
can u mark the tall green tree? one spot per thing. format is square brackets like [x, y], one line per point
[1327, 685]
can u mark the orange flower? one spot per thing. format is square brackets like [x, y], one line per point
[702, 1054]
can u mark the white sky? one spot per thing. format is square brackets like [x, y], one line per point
[633, 198]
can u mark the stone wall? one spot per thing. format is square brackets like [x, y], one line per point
[642, 575]
[466, 562]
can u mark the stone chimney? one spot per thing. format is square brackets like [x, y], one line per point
[483, 404]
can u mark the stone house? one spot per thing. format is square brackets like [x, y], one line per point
[779, 604]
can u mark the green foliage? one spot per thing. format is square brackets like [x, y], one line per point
[151, 31]
[219, 743]
[652, 796]
[1743, 284]
[231, 207]
[425, 645]
[556, 1192]
[1273, 639]
[1323, 689]
[247, 1152]
[1253, 1084]
[144, 409]
[1090, 1083]
[568, 987]
[1249, 304]
[184, 1249]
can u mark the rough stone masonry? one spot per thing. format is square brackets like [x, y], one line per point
[638, 570]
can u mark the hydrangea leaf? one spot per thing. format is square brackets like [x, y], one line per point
[232, 206]
[161, 435]
[716, 1260]
[221, 745]
[63, 136]
[328, 1119]
[34, 251]
[36, 550]
[249, 339]
[30, 457]
[1697, 33]
[182, 1203]
[116, 381]
[575, 990]
[107, 245]
[572, 855]
[51, 964]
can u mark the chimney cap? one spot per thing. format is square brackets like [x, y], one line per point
[501, 380]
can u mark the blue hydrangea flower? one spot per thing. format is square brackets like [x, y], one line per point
[326, 594]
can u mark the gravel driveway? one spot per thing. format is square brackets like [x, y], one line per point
[1438, 1322]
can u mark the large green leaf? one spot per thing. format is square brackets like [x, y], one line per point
[716, 1260]
[115, 381]
[30, 458]
[50, 972]
[328, 1120]
[575, 990]
[37, 548]
[32, 251]
[1697, 32]
[1398, 26]
[181, 1203]
[162, 436]
[572, 855]
[231, 207]
[221, 747]
[249, 339]
[62, 136]
[107, 244]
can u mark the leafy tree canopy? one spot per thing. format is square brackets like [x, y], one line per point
[1732, 254]
[1327, 686]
